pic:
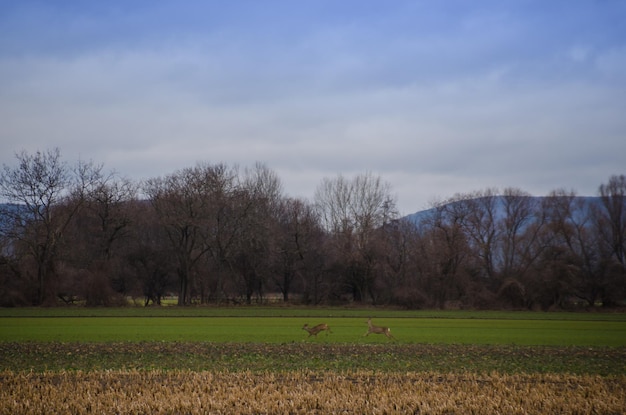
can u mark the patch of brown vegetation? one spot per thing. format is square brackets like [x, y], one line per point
[362, 392]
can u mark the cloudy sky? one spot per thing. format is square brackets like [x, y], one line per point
[435, 97]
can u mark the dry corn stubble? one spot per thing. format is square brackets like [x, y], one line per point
[363, 392]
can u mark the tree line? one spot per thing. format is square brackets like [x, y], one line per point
[219, 234]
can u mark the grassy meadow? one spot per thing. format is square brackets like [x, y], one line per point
[209, 359]
[284, 325]
[279, 330]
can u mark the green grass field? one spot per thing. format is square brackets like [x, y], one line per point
[283, 325]
[297, 311]
[271, 339]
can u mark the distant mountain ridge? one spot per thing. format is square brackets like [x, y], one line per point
[586, 202]
[7, 212]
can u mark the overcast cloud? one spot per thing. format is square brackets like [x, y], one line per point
[436, 97]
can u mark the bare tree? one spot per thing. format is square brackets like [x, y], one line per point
[404, 265]
[149, 256]
[480, 226]
[96, 242]
[521, 229]
[611, 226]
[556, 276]
[613, 196]
[352, 211]
[259, 198]
[447, 251]
[110, 205]
[180, 201]
[224, 227]
[296, 231]
[48, 193]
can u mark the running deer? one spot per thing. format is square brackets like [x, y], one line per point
[371, 328]
[313, 331]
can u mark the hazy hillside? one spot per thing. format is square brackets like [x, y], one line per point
[587, 203]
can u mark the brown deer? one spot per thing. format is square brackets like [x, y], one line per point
[371, 328]
[313, 331]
